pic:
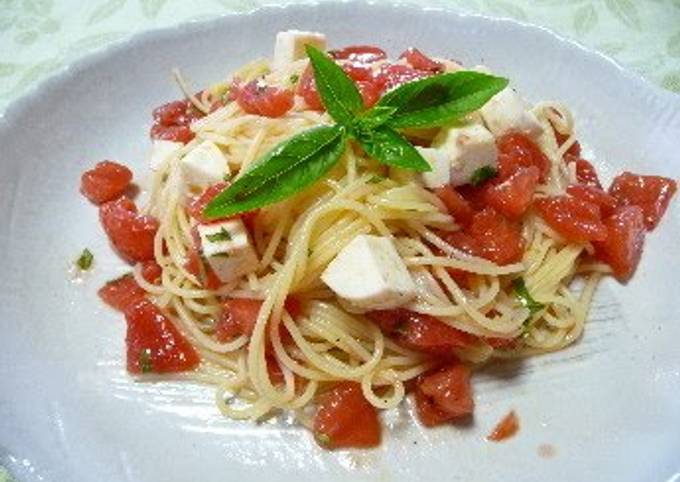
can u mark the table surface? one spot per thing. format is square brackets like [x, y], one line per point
[38, 37]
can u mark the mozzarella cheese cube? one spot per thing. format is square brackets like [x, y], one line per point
[370, 274]
[469, 148]
[507, 111]
[290, 46]
[161, 151]
[204, 166]
[440, 163]
[227, 249]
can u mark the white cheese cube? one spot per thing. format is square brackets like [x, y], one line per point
[440, 162]
[507, 111]
[290, 46]
[161, 151]
[204, 165]
[370, 274]
[469, 148]
[227, 249]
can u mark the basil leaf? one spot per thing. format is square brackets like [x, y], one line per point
[338, 92]
[389, 147]
[373, 118]
[437, 100]
[525, 298]
[287, 169]
[483, 174]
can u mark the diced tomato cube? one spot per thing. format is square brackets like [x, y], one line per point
[358, 72]
[345, 418]
[131, 233]
[172, 121]
[652, 194]
[197, 205]
[444, 395]
[456, 204]
[106, 182]
[307, 89]
[370, 92]
[151, 271]
[585, 172]
[625, 240]
[274, 371]
[259, 99]
[575, 220]
[594, 195]
[505, 429]
[121, 293]
[394, 75]
[154, 344]
[517, 150]
[182, 134]
[513, 196]
[238, 318]
[420, 332]
[361, 54]
[574, 149]
[420, 61]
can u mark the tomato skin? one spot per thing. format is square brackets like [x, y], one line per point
[517, 150]
[622, 248]
[575, 220]
[344, 418]
[593, 195]
[131, 233]
[420, 61]
[513, 196]
[585, 172]
[152, 271]
[420, 332]
[652, 194]
[361, 54]
[106, 182]
[172, 121]
[456, 204]
[121, 293]
[491, 236]
[505, 429]
[394, 75]
[444, 395]
[307, 90]
[153, 342]
[256, 98]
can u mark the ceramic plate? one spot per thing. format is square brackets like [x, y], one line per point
[605, 409]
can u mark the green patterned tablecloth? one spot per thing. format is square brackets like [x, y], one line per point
[39, 36]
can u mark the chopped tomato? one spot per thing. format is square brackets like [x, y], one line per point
[344, 418]
[593, 195]
[444, 395]
[420, 61]
[585, 172]
[421, 332]
[501, 343]
[198, 266]
[370, 92]
[198, 204]
[238, 318]
[490, 236]
[576, 220]
[652, 194]
[181, 134]
[513, 196]
[363, 54]
[172, 121]
[260, 99]
[358, 72]
[574, 149]
[274, 371]
[121, 293]
[393, 75]
[307, 89]
[517, 150]
[456, 204]
[625, 239]
[131, 233]
[107, 181]
[151, 271]
[506, 428]
[154, 345]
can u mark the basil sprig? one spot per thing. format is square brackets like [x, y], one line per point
[524, 297]
[306, 157]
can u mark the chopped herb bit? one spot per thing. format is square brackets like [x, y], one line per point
[220, 255]
[309, 252]
[294, 78]
[227, 177]
[221, 235]
[377, 179]
[85, 260]
[525, 298]
[322, 439]
[145, 361]
[482, 174]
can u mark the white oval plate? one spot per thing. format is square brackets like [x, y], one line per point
[605, 409]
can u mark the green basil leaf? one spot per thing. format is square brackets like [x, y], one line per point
[85, 260]
[483, 174]
[338, 92]
[437, 100]
[287, 169]
[389, 147]
[525, 298]
[375, 117]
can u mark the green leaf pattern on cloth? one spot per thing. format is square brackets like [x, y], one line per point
[39, 36]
